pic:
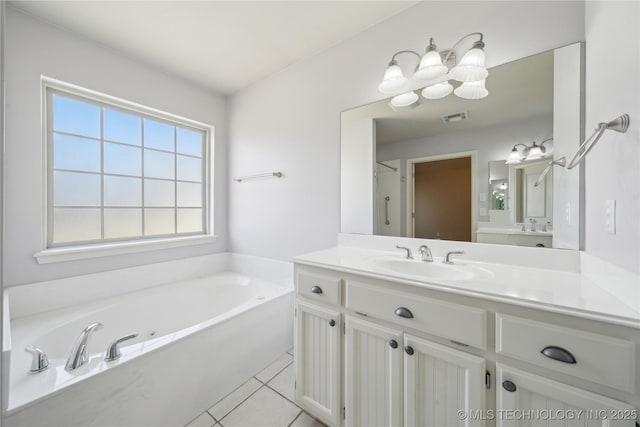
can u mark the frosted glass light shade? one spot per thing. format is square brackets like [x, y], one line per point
[404, 100]
[514, 157]
[471, 67]
[535, 153]
[437, 91]
[430, 68]
[471, 90]
[393, 81]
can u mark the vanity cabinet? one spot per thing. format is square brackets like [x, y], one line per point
[370, 351]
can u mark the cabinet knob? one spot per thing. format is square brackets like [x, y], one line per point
[559, 354]
[403, 312]
[316, 289]
[332, 323]
[509, 386]
[393, 344]
[409, 350]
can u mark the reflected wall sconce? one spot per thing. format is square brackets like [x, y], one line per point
[437, 69]
[532, 152]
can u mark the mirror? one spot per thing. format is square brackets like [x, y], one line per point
[438, 170]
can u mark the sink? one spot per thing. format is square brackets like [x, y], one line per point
[430, 270]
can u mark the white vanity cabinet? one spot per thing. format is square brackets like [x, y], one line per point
[371, 351]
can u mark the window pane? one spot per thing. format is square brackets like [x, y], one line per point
[122, 160]
[189, 142]
[122, 127]
[159, 193]
[76, 189]
[76, 117]
[122, 223]
[159, 221]
[159, 165]
[119, 191]
[189, 168]
[75, 225]
[71, 152]
[189, 195]
[158, 135]
[190, 220]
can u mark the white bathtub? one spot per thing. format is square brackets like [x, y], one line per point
[199, 338]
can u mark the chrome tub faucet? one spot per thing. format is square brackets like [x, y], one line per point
[426, 253]
[78, 355]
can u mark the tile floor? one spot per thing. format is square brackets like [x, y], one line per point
[265, 400]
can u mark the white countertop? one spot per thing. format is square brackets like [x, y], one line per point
[566, 292]
[496, 230]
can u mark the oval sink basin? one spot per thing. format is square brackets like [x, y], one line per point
[427, 270]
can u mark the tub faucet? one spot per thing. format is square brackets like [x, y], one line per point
[40, 362]
[426, 253]
[533, 224]
[78, 355]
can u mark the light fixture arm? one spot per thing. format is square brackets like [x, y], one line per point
[393, 58]
[479, 43]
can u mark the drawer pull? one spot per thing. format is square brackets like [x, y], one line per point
[559, 354]
[332, 323]
[509, 386]
[316, 289]
[409, 350]
[393, 344]
[403, 312]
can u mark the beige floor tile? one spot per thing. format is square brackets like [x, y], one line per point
[204, 420]
[284, 382]
[305, 420]
[272, 370]
[235, 398]
[265, 408]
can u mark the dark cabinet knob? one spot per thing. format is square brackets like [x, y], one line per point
[509, 386]
[316, 289]
[559, 354]
[403, 312]
[393, 344]
[409, 350]
[332, 323]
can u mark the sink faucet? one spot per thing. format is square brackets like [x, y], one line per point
[426, 253]
[78, 355]
[408, 255]
[447, 257]
[533, 224]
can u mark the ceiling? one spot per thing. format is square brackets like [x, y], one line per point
[517, 90]
[222, 45]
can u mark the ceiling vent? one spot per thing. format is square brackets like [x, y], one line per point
[451, 118]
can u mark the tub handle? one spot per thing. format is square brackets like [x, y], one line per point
[40, 362]
[113, 352]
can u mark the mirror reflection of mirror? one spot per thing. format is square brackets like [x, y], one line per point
[519, 110]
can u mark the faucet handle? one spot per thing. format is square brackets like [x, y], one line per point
[40, 362]
[113, 352]
[407, 253]
[447, 257]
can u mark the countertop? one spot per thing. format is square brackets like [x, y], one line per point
[490, 230]
[564, 292]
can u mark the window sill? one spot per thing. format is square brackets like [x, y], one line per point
[49, 256]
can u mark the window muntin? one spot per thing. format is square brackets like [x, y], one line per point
[119, 173]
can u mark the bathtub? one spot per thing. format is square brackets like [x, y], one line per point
[198, 339]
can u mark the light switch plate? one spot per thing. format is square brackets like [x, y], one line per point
[567, 213]
[610, 216]
[483, 211]
[483, 197]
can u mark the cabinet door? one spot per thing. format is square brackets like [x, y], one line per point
[439, 382]
[317, 359]
[524, 399]
[373, 375]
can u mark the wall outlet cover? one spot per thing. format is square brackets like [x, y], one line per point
[610, 216]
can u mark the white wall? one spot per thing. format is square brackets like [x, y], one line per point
[291, 121]
[34, 48]
[612, 31]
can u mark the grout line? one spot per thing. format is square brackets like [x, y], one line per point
[236, 407]
[281, 395]
[294, 420]
[276, 374]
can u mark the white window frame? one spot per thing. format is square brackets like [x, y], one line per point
[94, 250]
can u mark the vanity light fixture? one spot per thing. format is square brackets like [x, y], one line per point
[437, 68]
[532, 152]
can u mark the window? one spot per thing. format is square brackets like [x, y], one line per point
[118, 171]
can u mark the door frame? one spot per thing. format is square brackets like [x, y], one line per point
[411, 176]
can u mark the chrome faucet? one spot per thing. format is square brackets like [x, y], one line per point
[408, 255]
[78, 355]
[40, 362]
[447, 257]
[426, 253]
[533, 224]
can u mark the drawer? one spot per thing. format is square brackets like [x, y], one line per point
[319, 287]
[466, 325]
[598, 358]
